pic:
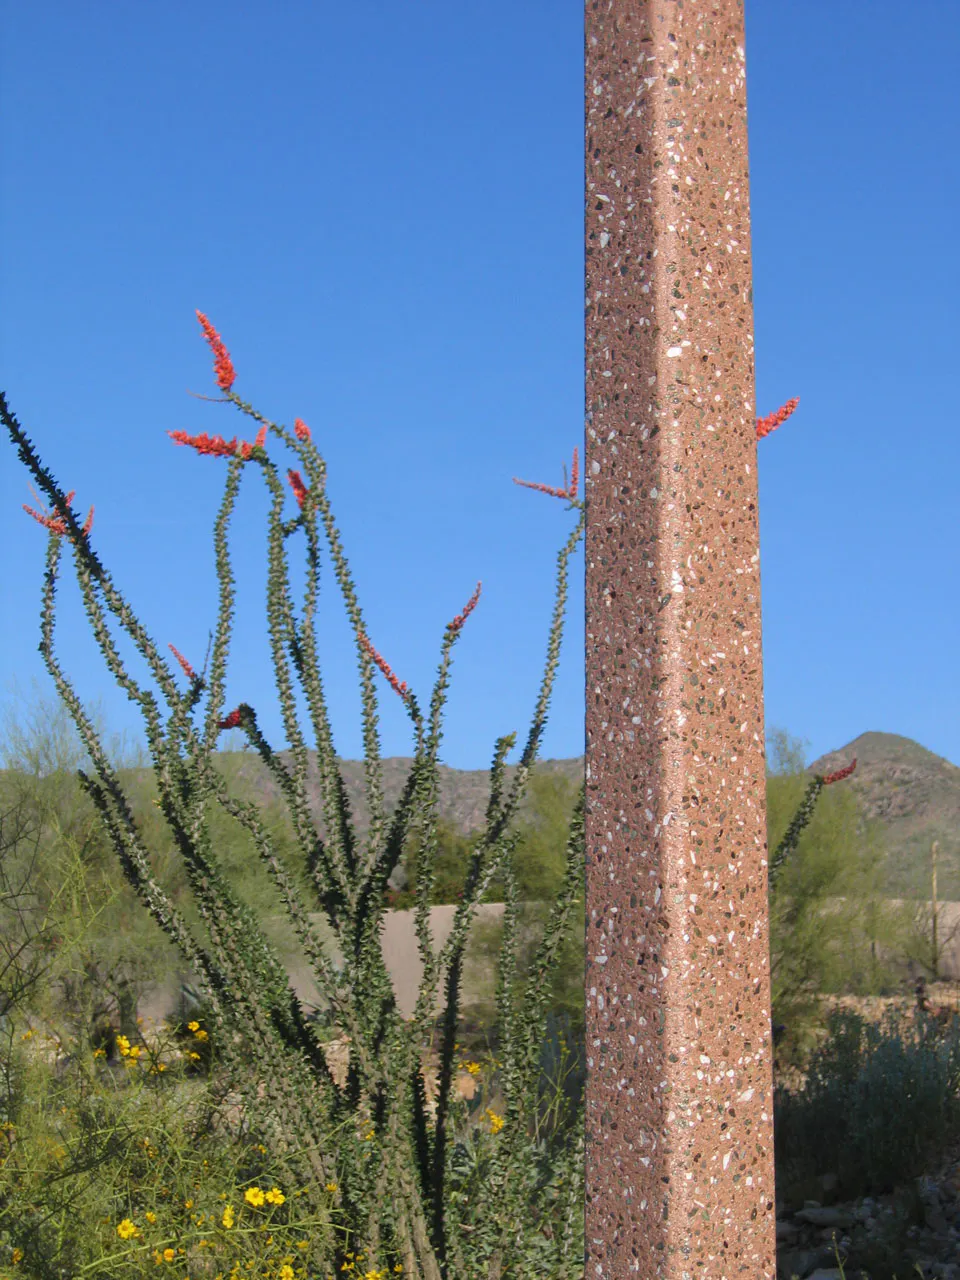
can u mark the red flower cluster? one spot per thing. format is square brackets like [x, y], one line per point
[188, 671]
[840, 774]
[569, 492]
[298, 487]
[461, 618]
[301, 429]
[217, 447]
[231, 721]
[402, 689]
[222, 364]
[56, 524]
[770, 423]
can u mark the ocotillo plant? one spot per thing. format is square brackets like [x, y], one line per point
[372, 1143]
[390, 1172]
[800, 819]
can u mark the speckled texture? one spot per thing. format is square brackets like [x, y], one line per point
[679, 1085]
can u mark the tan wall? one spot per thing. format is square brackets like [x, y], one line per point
[401, 952]
[948, 932]
[402, 956]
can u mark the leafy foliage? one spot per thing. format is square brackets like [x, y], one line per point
[830, 929]
[879, 1100]
[393, 1194]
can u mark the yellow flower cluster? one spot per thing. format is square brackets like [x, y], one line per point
[254, 1196]
[123, 1044]
[351, 1266]
[131, 1054]
[496, 1122]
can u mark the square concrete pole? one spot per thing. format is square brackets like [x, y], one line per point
[679, 1174]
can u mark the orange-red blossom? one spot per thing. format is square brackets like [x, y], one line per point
[222, 364]
[56, 524]
[569, 492]
[297, 485]
[455, 625]
[188, 671]
[840, 774]
[773, 420]
[217, 447]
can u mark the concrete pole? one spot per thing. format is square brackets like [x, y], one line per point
[679, 1176]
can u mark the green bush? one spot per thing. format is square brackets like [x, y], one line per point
[818, 946]
[115, 1170]
[880, 1102]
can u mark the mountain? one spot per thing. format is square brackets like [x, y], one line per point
[912, 793]
[463, 793]
[915, 795]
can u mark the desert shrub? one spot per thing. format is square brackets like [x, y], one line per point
[879, 1102]
[116, 1170]
[831, 929]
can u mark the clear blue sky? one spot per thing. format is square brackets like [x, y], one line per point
[381, 209]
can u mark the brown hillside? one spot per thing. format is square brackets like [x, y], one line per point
[915, 796]
[463, 800]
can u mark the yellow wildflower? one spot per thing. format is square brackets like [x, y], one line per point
[331, 1187]
[227, 1218]
[286, 1272]
[253, 1195]
[150, 1216]
[126, 1229]
[193, 1026]
[17, 1255]
[276, 1196]
[169, 1255]
[496, 1122]
[472, 1067]
[201, 1035]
